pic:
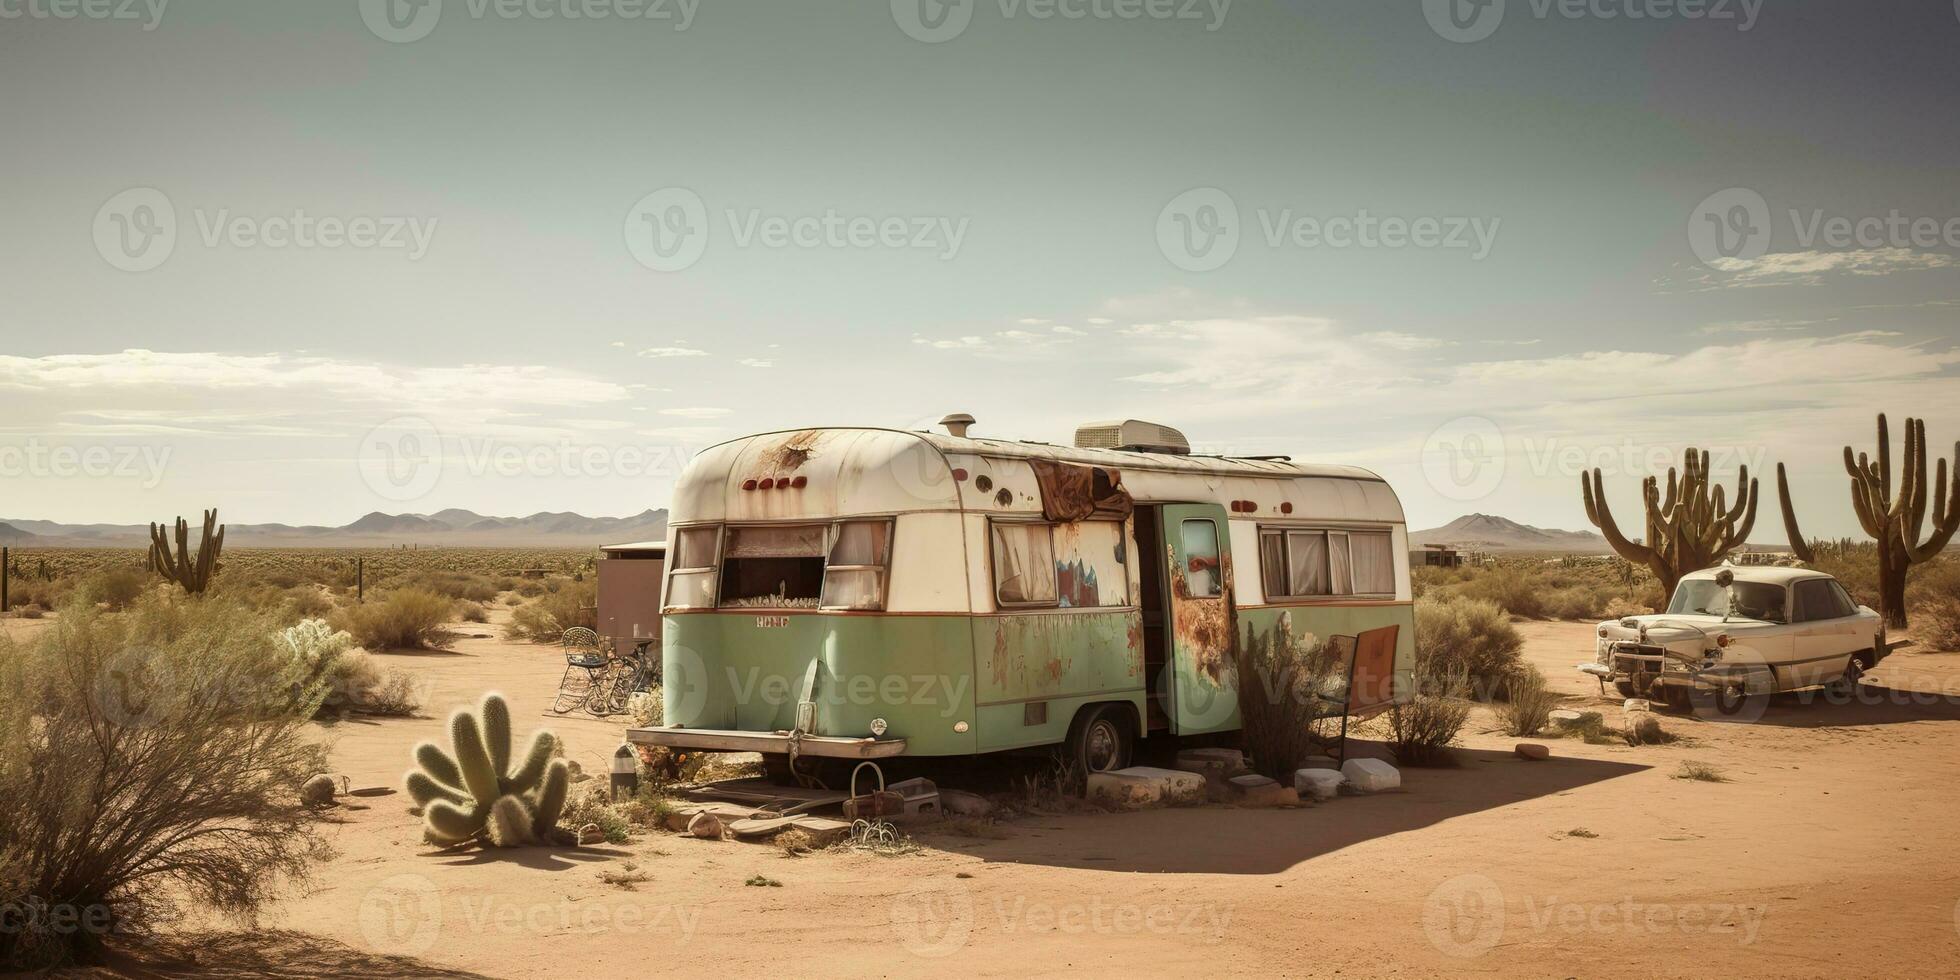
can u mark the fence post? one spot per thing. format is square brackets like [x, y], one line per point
[5, 567]
[360, 580]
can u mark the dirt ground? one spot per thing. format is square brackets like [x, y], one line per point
[1832, 850]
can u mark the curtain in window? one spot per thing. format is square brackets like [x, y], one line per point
[1024, 564]
[692, 590]
[854, 588]
[804, 541]
[862, 543]
[1374, 562]
[1307, 573]
[1338, 565]
[1272, 565]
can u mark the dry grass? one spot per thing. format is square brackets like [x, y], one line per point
[1281, 679]
[1467, 637]
[1529, 705]
[1700, 772]
[406, 619]
[547, 617]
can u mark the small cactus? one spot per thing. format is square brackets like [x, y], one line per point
[472, 793]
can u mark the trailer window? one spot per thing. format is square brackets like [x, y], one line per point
[773, 567]
[1374, 562]
[1272, 563]
[693, 580]
[860, 559]
[1201, 571]
[1024, 565]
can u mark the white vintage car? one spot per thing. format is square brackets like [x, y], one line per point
[1733, 633]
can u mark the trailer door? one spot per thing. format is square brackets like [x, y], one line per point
[1198, 570]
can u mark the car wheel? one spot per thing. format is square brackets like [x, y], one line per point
[1100, 739]
[1729, 699]
[1626, 689]
[1847, 683]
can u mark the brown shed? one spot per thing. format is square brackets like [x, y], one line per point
[629, 592]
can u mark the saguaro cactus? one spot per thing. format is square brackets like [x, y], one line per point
[472, 793]
[1693, 527]
[1896, 522]
[191, 572]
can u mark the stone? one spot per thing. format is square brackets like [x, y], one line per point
[1637, 704]
[1253, 789]
[318, 791]
[1318, 783]
[1321, 762]
[1226, 761]
[1146, 786]
[1371, 775]
[1566, 718]
[591, 834]
[1533, 751]
[706, 826]
[960, 803]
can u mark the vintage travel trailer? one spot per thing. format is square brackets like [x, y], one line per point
[859, 593]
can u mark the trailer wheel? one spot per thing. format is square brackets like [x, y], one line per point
[1100, 739]
[1626, 689]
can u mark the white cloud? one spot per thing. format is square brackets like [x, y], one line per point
[1810, 268]
[673, 352]
[756, 362]
[698, 413]
[1403, 341]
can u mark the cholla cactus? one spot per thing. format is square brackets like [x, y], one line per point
[473, 793]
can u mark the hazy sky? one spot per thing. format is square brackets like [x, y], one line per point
[259, 254]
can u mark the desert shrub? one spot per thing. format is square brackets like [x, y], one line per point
[306, 602]
[1467, 636]
[1528, 703]
[545, 618]
[1422, 729]
[446, 582]
[116, 587]
[1509, 589]
[44, 593]
[1280, 679]
[153, 759]
[1621, 607]
[403, 619]
[1936, 624]
[1588, 602]
[647, 708]
[351, 680]
[471, 612]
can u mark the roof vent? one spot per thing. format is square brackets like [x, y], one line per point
[1132, 435]
[957, 424]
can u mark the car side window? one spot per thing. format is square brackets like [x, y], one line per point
[1845, 606]
[1815, 601]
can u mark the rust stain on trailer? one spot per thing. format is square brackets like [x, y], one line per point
[1202, 624]
[792, 452]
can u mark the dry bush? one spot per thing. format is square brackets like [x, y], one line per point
[1937, 624]
[405, 619]
[547, 617]
[1509, 589]
[114, 587]
[1422, 730]
[351, 679]
[1469, 637]
[470, 611]
[1281, 682]
[152, 757]
[445, 582]
[1528, 705]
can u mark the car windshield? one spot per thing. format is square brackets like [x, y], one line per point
[1753, 600]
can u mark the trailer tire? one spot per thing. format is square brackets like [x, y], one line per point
[1102, 738]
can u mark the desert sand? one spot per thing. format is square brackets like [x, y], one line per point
[1831, 851]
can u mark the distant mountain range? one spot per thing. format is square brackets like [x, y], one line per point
[1486, 532]
[453, 527]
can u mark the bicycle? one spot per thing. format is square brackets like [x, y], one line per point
[623, 676]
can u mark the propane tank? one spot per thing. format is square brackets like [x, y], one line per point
[625, 774]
